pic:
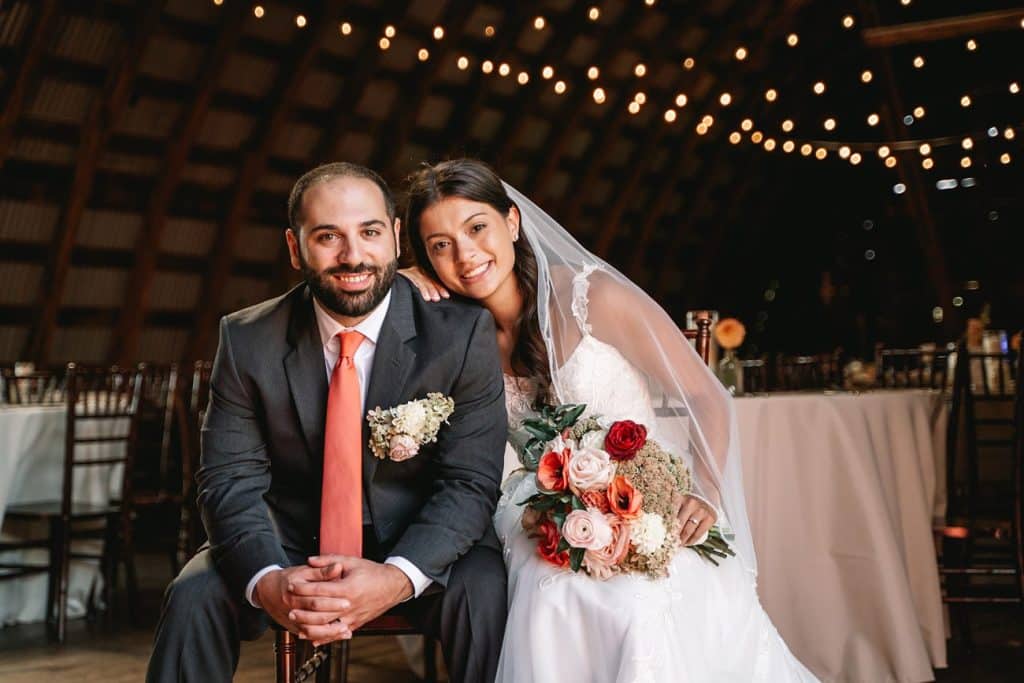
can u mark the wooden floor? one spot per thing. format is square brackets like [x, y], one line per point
[119, 653]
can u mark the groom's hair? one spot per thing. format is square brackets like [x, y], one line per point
[321, 174]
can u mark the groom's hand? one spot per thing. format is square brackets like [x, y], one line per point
[319, 619]
[371, 588]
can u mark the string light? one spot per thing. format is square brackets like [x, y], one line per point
[594, 13]
[384, 43]
[741, 53]
[819, 88]
[890, 162]
[708, 120]
[855, 158]
[883, 151]
[489, 31]
[769, 145]
[681, 100]
[593, 72]
[918, 62]
[345, 28]
[640, 70]
[927, 164]
[599, 95]
[806, 149]
[218, 3]
[547, 72]
[848, 21]
[787, 125]
[725, 99]
[866, 76]
[905, 2]
[919, 112]
[438, 32]
[634, 107]
[925, 149]
[830, 124]
[539, 23]
[965, 101]
[844, 152]
[640, 98]
[972, 45]
[258, 11]
[967, 143]
[746, 124]
[300, 21]
[1004, 158]
[756, 137]
[820, 153]
[965, 162]
[670, 115]
[423, 54]
[389, 31]
[701, 129]
[1014, 88]
[792, 40]
[1009, 134]
[788, 146]
[560, 87]
[487, 66]
[771, 95]
[523, 78]
[504, 69]
[872, 119]
[689, 63]
[735, 138]
[463, 63]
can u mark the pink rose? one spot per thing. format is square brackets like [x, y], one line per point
[590, 469]
[402, 447]
[603, 564]
[587, 529]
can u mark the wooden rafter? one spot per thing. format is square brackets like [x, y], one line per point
[355, 84]
[943, 29]
[96, 129]
[124, 342]
[459, 127]
[12, 101]
[294, 68]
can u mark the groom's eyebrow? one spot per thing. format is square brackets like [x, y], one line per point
[373, 222]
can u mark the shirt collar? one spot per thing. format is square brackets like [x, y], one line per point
[369, 327]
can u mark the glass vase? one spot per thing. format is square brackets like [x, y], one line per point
[729, 372]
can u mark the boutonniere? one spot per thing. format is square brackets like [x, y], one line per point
[398, 432]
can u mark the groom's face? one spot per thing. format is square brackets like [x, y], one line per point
[346, 246]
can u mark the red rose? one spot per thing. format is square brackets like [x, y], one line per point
[624, 439]
[547, 547]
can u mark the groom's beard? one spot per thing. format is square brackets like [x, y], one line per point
[344, 303]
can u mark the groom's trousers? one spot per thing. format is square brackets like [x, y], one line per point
[202, 623]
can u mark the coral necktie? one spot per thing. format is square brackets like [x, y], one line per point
[341, 506]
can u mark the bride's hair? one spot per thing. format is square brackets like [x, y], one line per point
[476, 181]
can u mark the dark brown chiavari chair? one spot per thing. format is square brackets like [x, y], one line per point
[701, 336]
[912, 368]
[190, 418]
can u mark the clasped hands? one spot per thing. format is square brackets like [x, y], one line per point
[332, 596]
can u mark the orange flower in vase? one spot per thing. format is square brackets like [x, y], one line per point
[729, 333]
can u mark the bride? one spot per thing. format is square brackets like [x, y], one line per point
[572, 329]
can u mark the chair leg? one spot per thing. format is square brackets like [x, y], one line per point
[429, 660]
[65, 570]
[53, 578]
[341, 670]
[284, 651]
[127, 554]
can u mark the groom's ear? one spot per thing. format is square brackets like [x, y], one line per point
[293, 248]
[398, 233]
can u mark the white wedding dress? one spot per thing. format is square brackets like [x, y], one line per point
[702, 624]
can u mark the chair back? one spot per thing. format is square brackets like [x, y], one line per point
[755, 375]
[102, 422]
[34, 388]
[154, 462]
[913, 368]
[701, 336]
[191, 532]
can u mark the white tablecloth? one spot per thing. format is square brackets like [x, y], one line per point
[31, 470]
[841, 492]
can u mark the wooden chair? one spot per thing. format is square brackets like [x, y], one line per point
[102, 409]
[297, 661]
[158, 471]
[701, 336]
[912, 368]
[190, 420]
[34, 388]
[983, 540]
[755, 375]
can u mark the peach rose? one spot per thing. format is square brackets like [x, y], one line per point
[590, 469]
[553, 470]
[402, 447]
[624, 499]
[603, 564]
[586, 529]
[729, 332]
[596, 499]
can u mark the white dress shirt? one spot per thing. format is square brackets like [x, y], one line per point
[363, 360]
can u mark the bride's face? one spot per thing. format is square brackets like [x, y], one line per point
[470, 246]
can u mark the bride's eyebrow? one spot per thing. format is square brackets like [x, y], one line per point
[478, 213]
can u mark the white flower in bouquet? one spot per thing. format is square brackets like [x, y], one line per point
[587, 529]
[648, 533]
[411, 418]
[590, 468]
[594, 439]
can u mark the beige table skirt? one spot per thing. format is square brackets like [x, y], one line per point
[841, 492]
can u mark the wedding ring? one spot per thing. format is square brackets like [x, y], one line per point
[691, 520]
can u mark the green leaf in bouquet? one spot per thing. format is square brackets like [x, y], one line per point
[558, 517]
[570, 413]
[563, 545]
[576, 558]
[540, 431]
[577, 504]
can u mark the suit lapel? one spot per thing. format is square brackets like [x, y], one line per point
[307, 376]
[392, 362]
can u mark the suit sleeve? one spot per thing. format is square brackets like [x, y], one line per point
[470, 451]
[234, 475]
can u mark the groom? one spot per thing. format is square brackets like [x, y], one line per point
[307, 528]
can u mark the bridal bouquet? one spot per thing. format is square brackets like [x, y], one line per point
[607, 497]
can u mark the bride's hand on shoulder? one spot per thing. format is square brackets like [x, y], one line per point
[697, 517]
[430, 289]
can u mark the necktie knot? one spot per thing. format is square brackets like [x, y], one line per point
[350, 341]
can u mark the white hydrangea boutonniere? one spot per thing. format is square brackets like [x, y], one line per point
[398, 433]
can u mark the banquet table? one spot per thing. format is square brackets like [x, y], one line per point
[31, 470]
[842, 490]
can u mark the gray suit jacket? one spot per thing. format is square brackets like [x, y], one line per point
[263, 438]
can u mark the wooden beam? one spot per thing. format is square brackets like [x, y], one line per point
[355, 84]
[917, 198]
[943, 29]
[124, 341]
[99, 121]
[40, 35]
[295, 66]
